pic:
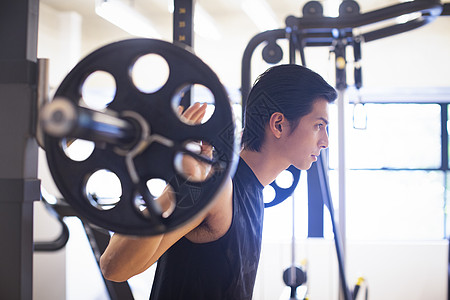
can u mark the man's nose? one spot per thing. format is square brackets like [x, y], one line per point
[323, 142]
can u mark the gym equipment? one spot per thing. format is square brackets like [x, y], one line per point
[19, 185]
[109, 130]
[18, 180]
[138, 137]
[326, 195]
[61, 241]
[294, 276]
[98, 240]
[314, 29]
[282, 193]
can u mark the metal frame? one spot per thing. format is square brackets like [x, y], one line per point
[19, 186]
[183, 23]
[313, 29]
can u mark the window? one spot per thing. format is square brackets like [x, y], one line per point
[396, 182]
[398, 136]
[395, 188]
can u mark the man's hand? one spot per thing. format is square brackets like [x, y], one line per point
[192, 168]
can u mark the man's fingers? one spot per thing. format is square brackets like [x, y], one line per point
[207, 149]
[191, 110]
[195, 113]
[200, 113]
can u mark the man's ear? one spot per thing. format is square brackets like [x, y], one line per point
[276, 122]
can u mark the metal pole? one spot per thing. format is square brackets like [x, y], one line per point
[19, 185]
[293, 269]
[341, 85]
[326, 194]
[183, 33]
[342, 165]
[342, 181]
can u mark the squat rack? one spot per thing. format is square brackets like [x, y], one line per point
[19, 185]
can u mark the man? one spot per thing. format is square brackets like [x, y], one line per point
[216, 255]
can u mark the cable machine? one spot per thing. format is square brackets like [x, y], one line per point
[313, 29]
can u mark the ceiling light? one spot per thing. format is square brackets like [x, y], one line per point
[331, 8]
[261, 14]
[408, 17]
[204, 24]
[126, 18]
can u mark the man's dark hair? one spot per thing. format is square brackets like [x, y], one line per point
[290, 89]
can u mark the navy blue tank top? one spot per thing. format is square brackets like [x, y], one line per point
[222, 269]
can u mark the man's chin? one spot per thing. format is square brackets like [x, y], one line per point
[304, 166]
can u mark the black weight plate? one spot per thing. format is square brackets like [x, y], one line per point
[156, 161]
[313, 9]
[282, 194]
[272, 53]
[348, 8]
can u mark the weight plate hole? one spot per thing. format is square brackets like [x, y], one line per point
[193, 168]
[77, 149]
[198, 93]
[285, 179]
[98, 90]
[161, 192]
[268, 194]
[103, 189]
[150, 73]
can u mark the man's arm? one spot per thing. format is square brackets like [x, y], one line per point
[127, 256]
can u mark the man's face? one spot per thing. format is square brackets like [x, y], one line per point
[302, 146]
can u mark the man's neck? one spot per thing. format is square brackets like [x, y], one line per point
[265, 166]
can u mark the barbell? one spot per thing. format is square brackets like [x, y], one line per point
[138, 137]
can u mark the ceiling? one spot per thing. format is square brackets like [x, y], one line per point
[223, 55]
[222, 11]
[214, 7]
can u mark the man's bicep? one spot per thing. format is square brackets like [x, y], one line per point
[220, 205]
[174, 236]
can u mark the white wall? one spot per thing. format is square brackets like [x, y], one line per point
[419, 58]
[401, 270]
[392, 270]
[49, 271]
[59, 40]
